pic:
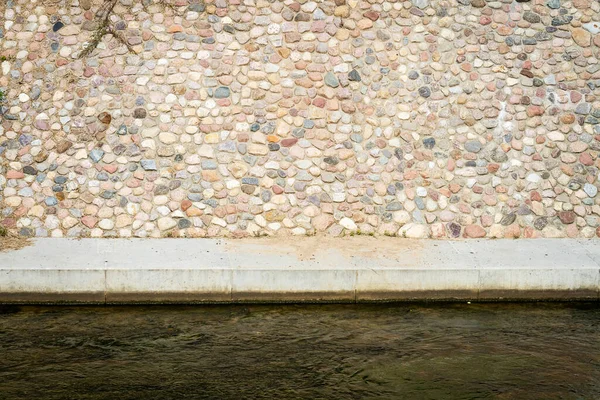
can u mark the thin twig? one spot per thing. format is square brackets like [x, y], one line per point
[105, 27]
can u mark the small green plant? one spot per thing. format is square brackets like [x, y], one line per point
[3, 231]
[361, 233]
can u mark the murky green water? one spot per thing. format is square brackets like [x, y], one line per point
[452, 351]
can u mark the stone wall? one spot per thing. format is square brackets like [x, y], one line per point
[250, 117]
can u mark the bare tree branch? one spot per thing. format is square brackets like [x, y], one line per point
[105, 26]
[103, 16]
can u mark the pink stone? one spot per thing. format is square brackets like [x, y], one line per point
[111, 169]
[185, 204]
[533, 111]
[474, 231]
[586, 159]
[289, 142]
[89, 221]
[322, 222]
[319, 102]
[512, 231]
[572, 231]
[14, 174]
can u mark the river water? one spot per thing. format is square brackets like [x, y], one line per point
[384, 351]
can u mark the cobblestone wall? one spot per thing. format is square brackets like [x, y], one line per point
[249, 117]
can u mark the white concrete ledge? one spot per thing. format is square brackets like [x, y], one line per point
[303, 269]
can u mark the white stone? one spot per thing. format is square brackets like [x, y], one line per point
[106, 224]
[348, 223]
[166, 223]
[414, 231]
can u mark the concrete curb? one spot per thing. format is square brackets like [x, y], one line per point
[355, 269]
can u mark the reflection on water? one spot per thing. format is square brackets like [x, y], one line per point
[451, 351]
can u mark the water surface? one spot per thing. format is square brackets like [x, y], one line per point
[406, 351]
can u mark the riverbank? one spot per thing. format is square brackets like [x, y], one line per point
[316, 269]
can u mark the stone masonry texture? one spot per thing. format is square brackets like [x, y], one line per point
[422, 118]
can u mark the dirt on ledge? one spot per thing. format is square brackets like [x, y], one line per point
[13, 242]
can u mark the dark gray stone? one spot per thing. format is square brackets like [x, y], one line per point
[508, 219]
[29, 170]
[139, 113]
[429, 142]
[184, 223]
[453, 229]
[531, 17]
[354, 76]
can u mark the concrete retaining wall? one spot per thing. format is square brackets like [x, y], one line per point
[313, 270]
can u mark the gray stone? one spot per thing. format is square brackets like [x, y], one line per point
[209, 164]
[562, 20]
[508, 219]
[51, 201]
[148, 165]
[592, 27]
[394, 206]
[424, 91]
[420, 3]
[331, 80]
[583, 108]
[531, 17]
[139, 113]
[429, 143]
[473, 146]
[222, 92]
[354, 76]
[590, 189]
[96, 155]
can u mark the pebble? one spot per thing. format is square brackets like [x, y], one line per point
[222, 92]
[590, 190]
[96, 155]
[148, 165]
[473, 146]
[354, 76]
[348, 224]
[425, 92]
[331, 80]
